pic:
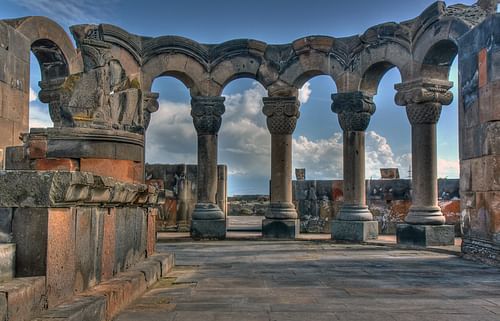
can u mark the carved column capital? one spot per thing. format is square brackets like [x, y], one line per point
[354, 110]
[282, 114]
[424, 99]
[207, 114]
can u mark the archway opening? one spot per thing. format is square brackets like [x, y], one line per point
[244, 146]
[317, 157]
[171, 156]
[388, 150]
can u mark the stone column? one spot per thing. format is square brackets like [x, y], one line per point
[281, 220]
[354, 222]
[423, 99]
[208, 221]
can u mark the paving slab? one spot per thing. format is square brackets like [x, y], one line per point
[317, 280]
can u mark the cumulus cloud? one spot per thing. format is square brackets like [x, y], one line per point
[323, 158]
[305, 93]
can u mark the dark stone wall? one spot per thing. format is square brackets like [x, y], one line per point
[479, 123]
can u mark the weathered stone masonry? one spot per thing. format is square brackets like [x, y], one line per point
[100, 101]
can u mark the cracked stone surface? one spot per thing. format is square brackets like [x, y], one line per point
[258, 280]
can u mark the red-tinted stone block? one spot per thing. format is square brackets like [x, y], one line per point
[123, 170]
[56, 164]
[108, 246]
[37, 148]
[483, 67]
[60, 255]
[151, 239]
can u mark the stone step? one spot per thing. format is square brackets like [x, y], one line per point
[106, 300]
[21, 299]
[7, 261]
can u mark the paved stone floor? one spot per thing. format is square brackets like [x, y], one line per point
[315, 281]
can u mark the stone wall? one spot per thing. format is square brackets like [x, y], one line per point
[318, 202]
[76, 229]
[479, 118]
[181, 180]
[14, 87]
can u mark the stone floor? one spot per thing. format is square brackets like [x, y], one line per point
[304, 280]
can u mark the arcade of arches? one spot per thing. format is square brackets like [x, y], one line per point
[90, 165]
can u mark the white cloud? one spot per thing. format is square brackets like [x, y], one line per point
[39, 116]
[321, 158]
[448, 168]
[33, 95]
[305, 93]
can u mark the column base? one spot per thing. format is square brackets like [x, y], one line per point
[354, 231]
[430, 215]
[280, 229]
[208, 229]
[355, 213]
[282, 211]
[425, 235]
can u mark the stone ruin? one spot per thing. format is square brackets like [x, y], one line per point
[76, 215]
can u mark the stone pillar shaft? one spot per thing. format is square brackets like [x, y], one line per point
[424, 179]
[207, 168]
[354, 168]
[282, 114]
[208, 221]
[281, 174]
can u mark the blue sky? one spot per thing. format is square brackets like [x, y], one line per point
[244, 140]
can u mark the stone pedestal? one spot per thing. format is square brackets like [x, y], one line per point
[208, 229]
[425, 235]
[354, 231]
[280, 228]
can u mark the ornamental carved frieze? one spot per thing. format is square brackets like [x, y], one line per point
[207, 114]
[354, 110]
[282, 114]
[424, 99]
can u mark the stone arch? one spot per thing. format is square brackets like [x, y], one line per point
[178, 65]
[310, 65]
[244, 66]
[438, 60]
[51, 45]
[436, 48]
[374, 73]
